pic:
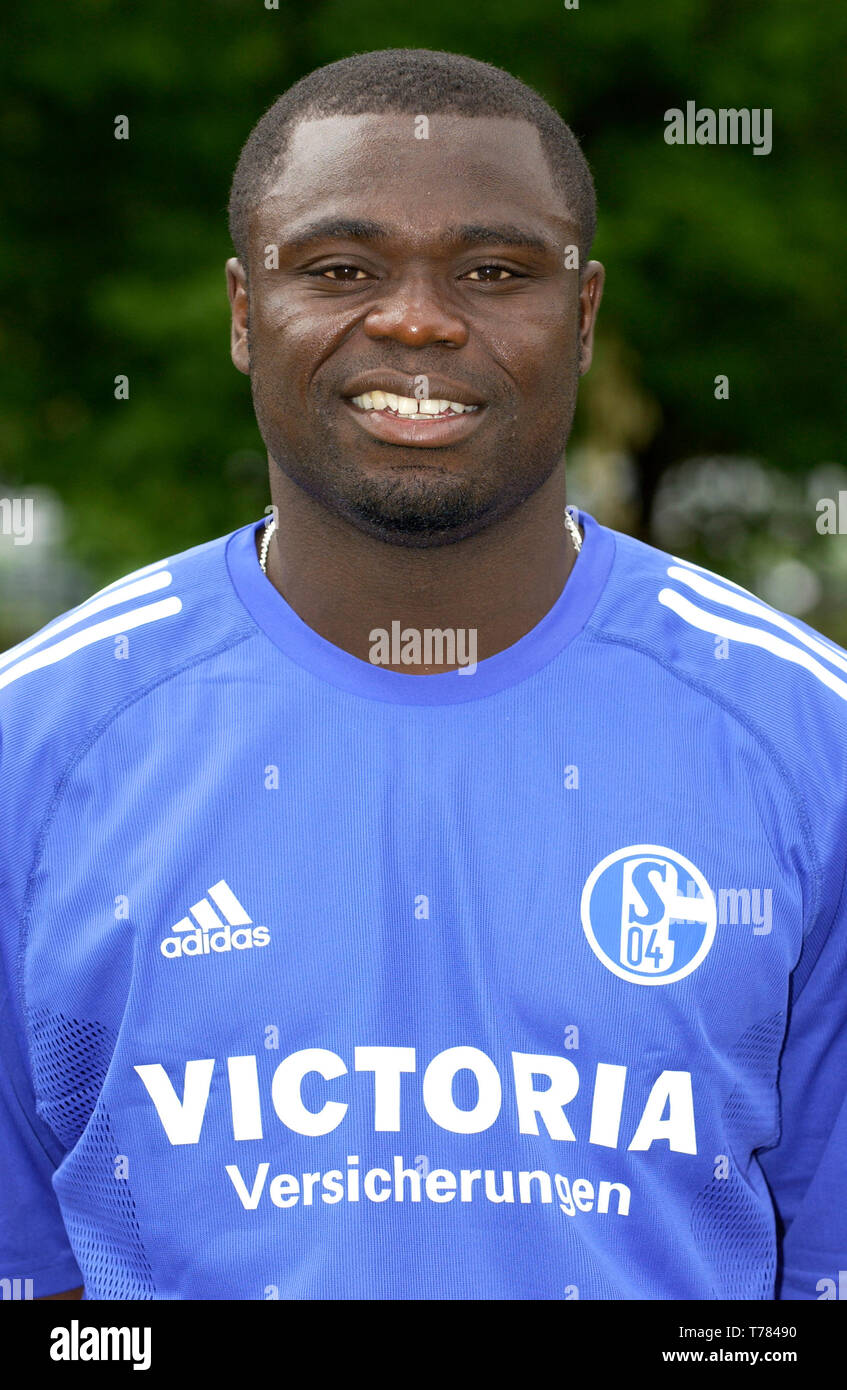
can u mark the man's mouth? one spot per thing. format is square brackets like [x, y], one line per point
[432, 422]
[411, 408]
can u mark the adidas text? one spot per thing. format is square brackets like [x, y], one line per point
[213, 927]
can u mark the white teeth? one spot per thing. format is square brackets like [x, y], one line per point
[407, 406]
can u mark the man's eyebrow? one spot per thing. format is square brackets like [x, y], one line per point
[468, 234]
[506, 234]
[328, 228]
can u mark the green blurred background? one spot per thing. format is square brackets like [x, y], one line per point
[719, 262]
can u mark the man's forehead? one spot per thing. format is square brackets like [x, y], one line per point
[441, 127]
[491, 164]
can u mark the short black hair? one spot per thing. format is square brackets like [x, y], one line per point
[421, 81]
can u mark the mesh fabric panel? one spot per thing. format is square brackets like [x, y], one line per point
[70, 1061]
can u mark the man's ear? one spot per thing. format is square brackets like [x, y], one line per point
[590, 294]
[236, 284]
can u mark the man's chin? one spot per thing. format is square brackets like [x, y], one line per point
[418, 519]
[402, 502]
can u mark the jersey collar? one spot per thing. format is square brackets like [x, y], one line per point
[302, 645]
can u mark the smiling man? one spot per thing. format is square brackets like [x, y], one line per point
[345, 968]
[417, 325]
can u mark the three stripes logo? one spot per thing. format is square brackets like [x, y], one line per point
[212, 932]
[813, 653]
[45, 650]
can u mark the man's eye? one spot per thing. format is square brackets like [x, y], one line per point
[345, 273]
[489, 280]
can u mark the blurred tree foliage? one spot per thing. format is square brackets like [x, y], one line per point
[718, 261]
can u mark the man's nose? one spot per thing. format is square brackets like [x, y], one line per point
[415, 313]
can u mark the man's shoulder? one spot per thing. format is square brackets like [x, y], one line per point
[723, 640]
[88, 663]
[701, 653]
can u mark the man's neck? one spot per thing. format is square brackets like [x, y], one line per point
[345, 584]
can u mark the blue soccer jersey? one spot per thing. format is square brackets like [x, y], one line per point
[326, 981]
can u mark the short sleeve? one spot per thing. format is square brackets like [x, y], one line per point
[807, 1169]
[33, 1241]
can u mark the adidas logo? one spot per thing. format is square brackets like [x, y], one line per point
[233, 930]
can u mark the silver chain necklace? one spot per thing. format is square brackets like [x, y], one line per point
[269, 530]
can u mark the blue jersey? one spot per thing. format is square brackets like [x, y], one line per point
[326, 981]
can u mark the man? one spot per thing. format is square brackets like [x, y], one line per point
[429, 895]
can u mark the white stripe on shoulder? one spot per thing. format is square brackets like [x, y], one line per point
[710, 574]
[751, 636]
[129, 578]
[722, 582]
[107, 599]
[112, 627]
[756, 609]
